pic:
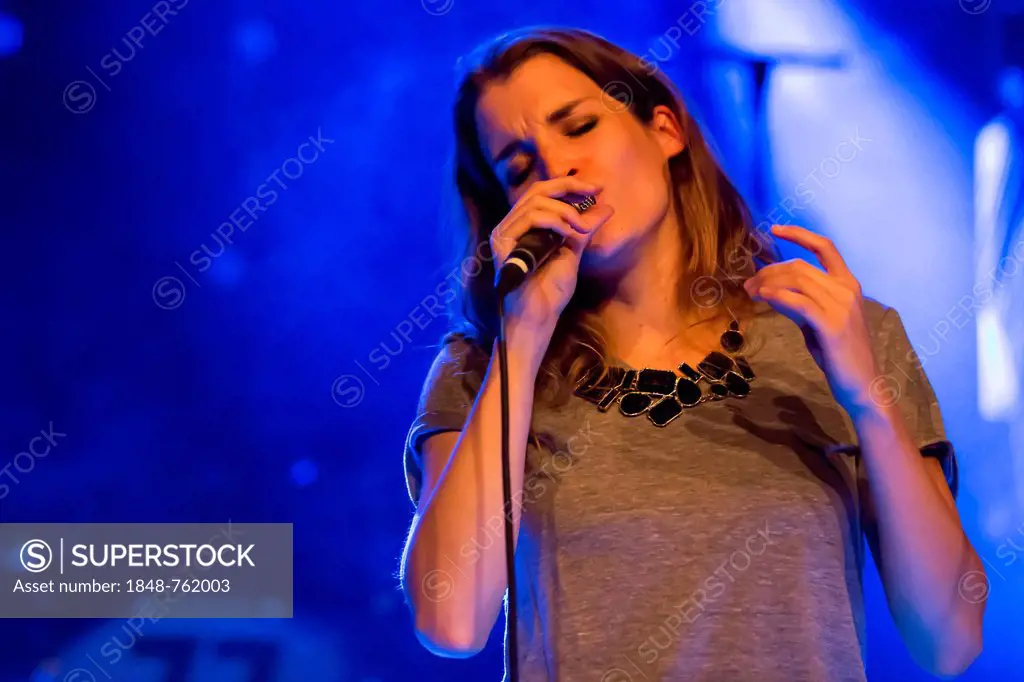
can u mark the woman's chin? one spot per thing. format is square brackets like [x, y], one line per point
[612, 251]
[604, 241]
[601, 254]
[610, 243]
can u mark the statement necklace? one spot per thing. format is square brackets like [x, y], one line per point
[662, 394]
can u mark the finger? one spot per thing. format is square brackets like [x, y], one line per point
[800, 275]
[554, 188]
[598, 215]
[504, 239]
[571, 215]
[585, 221]
[801, 284]
[819, 245]
[512, 228]
[559, 187]
[795, 305]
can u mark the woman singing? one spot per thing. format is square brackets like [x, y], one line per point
[700, 434]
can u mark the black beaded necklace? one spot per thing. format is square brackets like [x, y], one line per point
[662, 394]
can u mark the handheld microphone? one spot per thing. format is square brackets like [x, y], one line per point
[531, 252]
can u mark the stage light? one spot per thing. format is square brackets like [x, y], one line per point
[304, 472]
[11, 34]
[255, 40]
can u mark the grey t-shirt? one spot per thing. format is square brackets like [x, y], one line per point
[726, 546]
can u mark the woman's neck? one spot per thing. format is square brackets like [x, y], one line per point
[643, 317]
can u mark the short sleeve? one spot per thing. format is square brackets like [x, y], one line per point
[445, 401]
[903, 382]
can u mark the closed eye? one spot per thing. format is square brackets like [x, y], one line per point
[517, 178]
[582, 129]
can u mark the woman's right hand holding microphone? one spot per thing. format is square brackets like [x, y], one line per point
[534, 308]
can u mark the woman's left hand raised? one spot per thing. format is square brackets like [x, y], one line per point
[829, 308]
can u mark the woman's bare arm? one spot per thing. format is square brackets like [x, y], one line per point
[453, 567]
[924, 558]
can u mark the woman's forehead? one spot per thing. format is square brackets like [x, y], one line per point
[535, 90]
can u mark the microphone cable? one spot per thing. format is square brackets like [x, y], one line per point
[512, 620]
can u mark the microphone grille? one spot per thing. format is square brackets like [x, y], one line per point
[583, 204]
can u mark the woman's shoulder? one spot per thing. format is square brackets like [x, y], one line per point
[884, 322]
[873, 309]
[770, 333]
[459, 355]
[460, 348]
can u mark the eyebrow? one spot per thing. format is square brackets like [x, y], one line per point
[559, 114]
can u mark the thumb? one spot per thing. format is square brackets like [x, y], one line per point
[597, 216]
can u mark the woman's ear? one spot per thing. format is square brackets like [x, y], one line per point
[668, 131]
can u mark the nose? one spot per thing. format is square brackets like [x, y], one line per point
[551, 170]
[556, 164]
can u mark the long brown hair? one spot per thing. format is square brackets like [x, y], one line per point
[722, 246]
